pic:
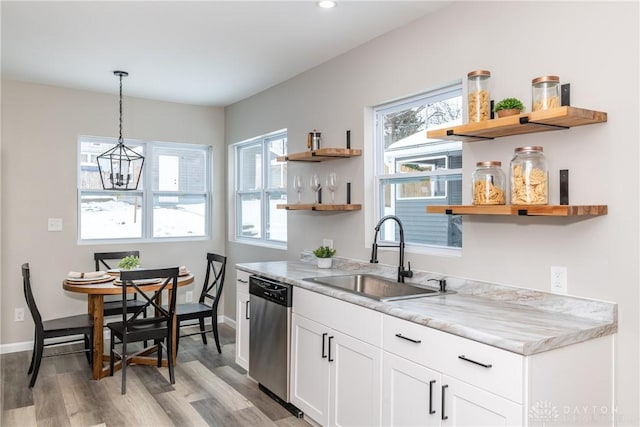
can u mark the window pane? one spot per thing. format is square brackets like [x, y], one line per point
[277, 170]
[250, 167]
[249, 215]
[277, 218]
[110, 215]
[179, 216]
[420, 228]
[179, 169]
[89, 178]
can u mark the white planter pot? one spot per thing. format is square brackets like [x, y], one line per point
[324, 262]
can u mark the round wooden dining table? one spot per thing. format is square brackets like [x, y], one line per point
[95, 293]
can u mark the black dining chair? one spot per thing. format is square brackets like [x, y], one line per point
[207, 305]
[114, 308]
[54, 328]
[158, 327]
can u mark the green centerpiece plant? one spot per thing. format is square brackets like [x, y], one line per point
[129, 263]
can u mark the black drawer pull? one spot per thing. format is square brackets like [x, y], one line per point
[442, 415]
[474, 362]
[330, 339]
[246, 309]
[431, 410]
[408, 339]
[324, 356]
[243, 281]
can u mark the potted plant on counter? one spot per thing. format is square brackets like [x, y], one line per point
[323, 255]
[508, 107]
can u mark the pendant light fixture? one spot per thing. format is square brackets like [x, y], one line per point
[120, 167]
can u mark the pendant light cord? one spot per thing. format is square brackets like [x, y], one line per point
[120, 140]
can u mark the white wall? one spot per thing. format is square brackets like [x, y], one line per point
[594, 46]
[40, 128]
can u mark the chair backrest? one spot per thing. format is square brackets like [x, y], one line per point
[168, 280]
[214, 279]
[100, 257]
[28, 295]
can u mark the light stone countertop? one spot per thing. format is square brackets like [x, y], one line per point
[520, 320]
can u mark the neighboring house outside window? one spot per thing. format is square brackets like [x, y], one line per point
[172, 201]
[261, 184]
[412, 172]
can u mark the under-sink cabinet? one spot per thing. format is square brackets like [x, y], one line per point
[335, 378]
[356, 366]
[242, 319]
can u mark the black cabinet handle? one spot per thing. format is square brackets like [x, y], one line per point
[243, 281]
[408, 339]
[443, 417]
[431, 410]
[324, 356]
[474, 362]
[330, 359]
[246, 309]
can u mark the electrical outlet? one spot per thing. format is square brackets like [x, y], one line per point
[188, 296]
[18, 315]
[327, 242]
[54, 224]
[558, 280]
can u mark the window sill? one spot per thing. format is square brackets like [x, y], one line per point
[261, 243]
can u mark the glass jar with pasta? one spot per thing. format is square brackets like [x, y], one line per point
[489, 184]
[529, 177]
[478, 95]
[545, 93]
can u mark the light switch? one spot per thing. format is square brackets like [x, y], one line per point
[55, 224]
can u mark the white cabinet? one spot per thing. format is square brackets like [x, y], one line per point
[242, 318]
[335, 377]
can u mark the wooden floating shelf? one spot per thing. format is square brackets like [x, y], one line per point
[520, 210]
[318, 207]
[320, 155]
[538, 121]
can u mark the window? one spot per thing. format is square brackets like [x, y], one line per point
[172, 200]
[413, 172]
[261, 184]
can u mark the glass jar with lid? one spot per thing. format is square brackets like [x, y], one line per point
[489, 184]
[545, 93]
[529, 177]
[478, 95]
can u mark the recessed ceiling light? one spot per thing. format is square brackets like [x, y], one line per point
[326, 4]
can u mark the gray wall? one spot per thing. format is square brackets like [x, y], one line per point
[592, 45]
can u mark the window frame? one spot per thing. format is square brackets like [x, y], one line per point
[264, 192]
[379, 178]
[146, 192]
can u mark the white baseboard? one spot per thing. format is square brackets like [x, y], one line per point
[28, 345]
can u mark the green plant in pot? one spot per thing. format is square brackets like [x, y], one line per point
[323, 255]
[508, 107]
[129, 262]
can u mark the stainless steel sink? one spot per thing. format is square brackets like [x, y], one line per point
[375, 287]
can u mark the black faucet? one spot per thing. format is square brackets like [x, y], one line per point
[402, 273]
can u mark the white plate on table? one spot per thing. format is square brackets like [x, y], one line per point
[89, 280]
[140, 282]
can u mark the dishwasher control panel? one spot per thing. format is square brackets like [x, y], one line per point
[271, 290]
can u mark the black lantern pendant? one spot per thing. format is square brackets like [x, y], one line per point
[120, 167]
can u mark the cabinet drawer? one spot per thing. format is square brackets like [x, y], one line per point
[501, 374]
[351, 319]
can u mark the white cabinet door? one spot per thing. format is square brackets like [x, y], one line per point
[354, 381]
[410, 393]
[466, 405]
[310, 368]
[242, 319]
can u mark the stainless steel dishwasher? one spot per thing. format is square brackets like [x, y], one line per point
[269, 333]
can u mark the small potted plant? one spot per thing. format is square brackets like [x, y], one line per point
[324, 254]
[508, 107]
[129, 262]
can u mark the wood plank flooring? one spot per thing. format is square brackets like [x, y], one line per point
[210, 390]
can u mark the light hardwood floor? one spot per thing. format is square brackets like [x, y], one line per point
[210, 390]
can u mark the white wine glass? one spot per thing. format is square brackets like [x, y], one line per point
[298, 186]
[314, 183]
[332, 185]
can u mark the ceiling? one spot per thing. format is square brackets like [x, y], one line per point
[196, 52]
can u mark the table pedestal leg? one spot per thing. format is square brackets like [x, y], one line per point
[96, 308]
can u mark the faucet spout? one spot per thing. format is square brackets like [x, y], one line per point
[402, 273]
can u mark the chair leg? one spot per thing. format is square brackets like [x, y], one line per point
[111, 354]
[214, 323]
[177, 335]
[87, 347]
[123, 388]
[158, 344]
[171, 362]
[202, 333]
[38, 348]
[33, 354]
